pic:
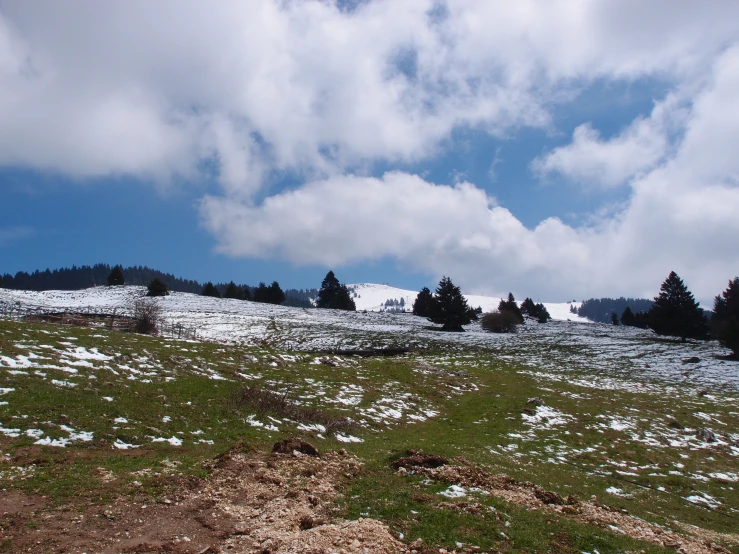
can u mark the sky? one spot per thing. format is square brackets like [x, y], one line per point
[560, 150]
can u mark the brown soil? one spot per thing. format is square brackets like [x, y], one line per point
[251, 503]
[528, 494]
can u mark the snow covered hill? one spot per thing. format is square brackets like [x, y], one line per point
[377, 298]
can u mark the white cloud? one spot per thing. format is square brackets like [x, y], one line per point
[256, 88]
[639, 147]
[681, 216]
[150, 90]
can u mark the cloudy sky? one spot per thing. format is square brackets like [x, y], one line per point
[559, 149]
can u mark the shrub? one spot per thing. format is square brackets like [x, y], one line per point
[500, 322]
[157, 288]
[147, 315]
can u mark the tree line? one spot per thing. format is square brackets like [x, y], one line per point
[86, 276]
[675, 312]
[600, 309]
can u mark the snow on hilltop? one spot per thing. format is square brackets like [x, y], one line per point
[367, 296]
[373, 298]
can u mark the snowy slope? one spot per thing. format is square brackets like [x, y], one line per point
[372, 298]
[601, 352]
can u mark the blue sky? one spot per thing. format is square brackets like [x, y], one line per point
[568, 151]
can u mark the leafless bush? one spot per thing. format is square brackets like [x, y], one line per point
[256, 400]
[500, 322]
[147, 315]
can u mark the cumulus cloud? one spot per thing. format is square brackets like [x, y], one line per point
[152, 90]
[681, 216]
[254, 89]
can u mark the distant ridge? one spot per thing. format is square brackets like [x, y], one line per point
[86, 276]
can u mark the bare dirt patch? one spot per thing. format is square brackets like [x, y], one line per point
[252, 502]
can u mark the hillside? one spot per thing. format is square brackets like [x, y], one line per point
[564, 437]
[372, 297]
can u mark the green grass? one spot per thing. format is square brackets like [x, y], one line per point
[480, 397]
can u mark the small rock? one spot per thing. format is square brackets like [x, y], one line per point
[706, 435]
[692, 360]
[536, 401]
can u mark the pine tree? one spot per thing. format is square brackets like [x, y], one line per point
[627, 317]
[329, 287]
[528, 307]
[676, 313]
[541, 313]
[232, 291]
[342, 300]
[424, 304]
[334, 295]
[116, 276]
[511, 306]
[157, 287]
[210, 290]
[614, 318]
[725, 318]
[450, 309]
[261, 293]
[275, 294]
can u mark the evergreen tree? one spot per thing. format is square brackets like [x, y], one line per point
[334, 295]
[157, 287]
[247, 295]
[511, 306]
[261, 293]
[1, 281]
[232, 291]
[450, 309]
[474, 313]
[627, 317]
[329, 288]
[541, 313]
[210, 290]
[342, 300]
[116, 277]
[537, 311]
[275, 294]
[676, 313]
[725, 318]
[614, 318]
[424, 304]
[528, 307]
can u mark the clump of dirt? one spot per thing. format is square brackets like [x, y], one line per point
[295, 444]
[464, 473]
[252, 502]
[416, 459]
[548, 497]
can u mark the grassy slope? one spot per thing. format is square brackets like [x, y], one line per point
[479, 397]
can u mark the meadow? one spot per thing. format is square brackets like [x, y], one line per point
[564, 437]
